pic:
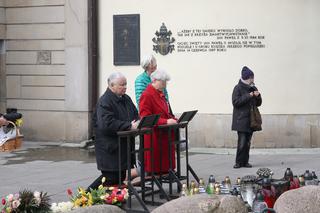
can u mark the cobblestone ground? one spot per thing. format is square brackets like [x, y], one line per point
[51, 168]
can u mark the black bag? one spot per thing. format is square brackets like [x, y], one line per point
[255, 118]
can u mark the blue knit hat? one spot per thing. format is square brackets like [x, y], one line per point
[246, 73]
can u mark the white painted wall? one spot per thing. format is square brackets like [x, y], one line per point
[287, 71]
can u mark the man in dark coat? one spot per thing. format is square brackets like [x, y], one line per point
[115, 112]
[244, 96]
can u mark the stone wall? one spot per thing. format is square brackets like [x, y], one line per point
[44, 73]
[46, 67]
[279, 131]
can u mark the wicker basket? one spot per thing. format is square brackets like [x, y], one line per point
[14, 143]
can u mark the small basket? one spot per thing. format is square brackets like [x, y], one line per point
[14, 143]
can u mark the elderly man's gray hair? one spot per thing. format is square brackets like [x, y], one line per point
[160, 74]
[147, 60]
[113, 77]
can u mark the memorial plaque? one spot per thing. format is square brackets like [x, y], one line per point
[126, 39]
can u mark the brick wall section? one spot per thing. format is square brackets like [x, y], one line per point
[35, 48]
[37, 70]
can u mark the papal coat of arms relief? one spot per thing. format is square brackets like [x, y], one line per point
[163, 41]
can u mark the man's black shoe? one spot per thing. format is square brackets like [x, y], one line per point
[248, 165]
[236, 166]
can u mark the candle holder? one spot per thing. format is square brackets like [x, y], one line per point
[248, 189]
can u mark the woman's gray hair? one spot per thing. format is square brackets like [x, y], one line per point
[160, 74]
[147, 60]
[113, 77]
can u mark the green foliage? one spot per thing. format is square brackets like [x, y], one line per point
[97, 194]
[33, 202]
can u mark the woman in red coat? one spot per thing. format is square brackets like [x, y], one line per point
[153, 101]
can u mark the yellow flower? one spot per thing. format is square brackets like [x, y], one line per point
[84, 199]
[114, 200]
[90, 201]
[77, 202]
[19, 122]
[103, 179]
[81, 191]
[100, 187]
[126, 196]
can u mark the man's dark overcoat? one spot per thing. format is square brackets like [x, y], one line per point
[113, 114]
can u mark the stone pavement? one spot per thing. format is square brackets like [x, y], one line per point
[54, 167]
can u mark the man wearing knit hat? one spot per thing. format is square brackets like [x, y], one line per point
[244, 96]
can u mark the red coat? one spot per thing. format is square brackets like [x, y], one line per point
[153, 101]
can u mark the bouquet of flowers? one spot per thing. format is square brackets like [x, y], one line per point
[102, 195]
[26, 201]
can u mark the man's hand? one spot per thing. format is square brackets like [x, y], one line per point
[171, 121]
[134, 124]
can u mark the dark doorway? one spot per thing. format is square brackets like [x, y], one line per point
[93, 58]
[3, 77]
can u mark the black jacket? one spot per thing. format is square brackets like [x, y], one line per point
[242, 102]
[112, 114]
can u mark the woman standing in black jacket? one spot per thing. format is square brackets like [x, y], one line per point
[115, 112]
[244, 96]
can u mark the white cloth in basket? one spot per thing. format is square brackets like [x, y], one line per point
[7, 134]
